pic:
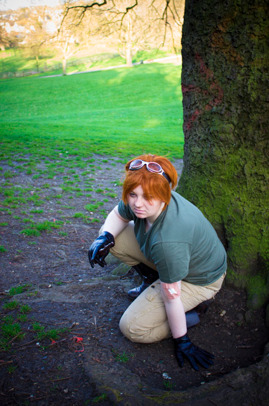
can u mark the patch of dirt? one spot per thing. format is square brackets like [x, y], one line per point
[84, 362]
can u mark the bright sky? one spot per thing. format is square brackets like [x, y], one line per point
[14, 4]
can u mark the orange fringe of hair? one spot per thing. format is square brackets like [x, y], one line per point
[154, 185]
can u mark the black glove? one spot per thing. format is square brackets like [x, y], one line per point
[100, 249]
[186, 349]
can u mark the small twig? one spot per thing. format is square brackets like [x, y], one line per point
[40, 398]
[96, 360]
[56, 266]
[213, 403]
[57, 342]
[60, 379]
[19, 347]
[14, 338]
[217, 373]
[5, 362]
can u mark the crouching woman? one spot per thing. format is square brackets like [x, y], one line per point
[173, 247]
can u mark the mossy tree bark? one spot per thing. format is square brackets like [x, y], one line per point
[225, 52]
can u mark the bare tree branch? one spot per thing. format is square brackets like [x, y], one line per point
[84, 9]
[127, 11]
[131, 7]
[176, 13]
[86, 6]
[164, 16]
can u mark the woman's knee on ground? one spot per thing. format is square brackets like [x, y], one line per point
[125, 327]
[130, 329]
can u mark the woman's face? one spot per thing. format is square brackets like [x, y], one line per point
[143, 208]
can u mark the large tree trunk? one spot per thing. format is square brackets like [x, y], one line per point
[225, 99]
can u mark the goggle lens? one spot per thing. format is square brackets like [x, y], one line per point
[137, 164]
[154, 167]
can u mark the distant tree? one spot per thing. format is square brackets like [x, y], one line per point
[8, 36]
[128, 31]
[72, 34]
[33, 33]
[65, 42]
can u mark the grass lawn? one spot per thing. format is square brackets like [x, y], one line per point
[120, 112]
[50, 184]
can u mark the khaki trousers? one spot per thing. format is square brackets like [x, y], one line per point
[145, 320]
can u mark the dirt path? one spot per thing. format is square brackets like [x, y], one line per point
[68, 349]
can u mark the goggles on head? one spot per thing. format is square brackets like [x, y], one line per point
[153, 167]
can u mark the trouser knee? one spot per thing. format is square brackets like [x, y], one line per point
[124, 327]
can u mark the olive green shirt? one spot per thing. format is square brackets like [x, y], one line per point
[181, 243]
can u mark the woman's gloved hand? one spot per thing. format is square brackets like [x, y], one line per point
[186, 349]
[100, 249]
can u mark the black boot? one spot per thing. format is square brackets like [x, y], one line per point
[148, 276]
[203, 307]
[192, 318]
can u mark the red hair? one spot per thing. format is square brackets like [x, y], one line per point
[154, 185]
